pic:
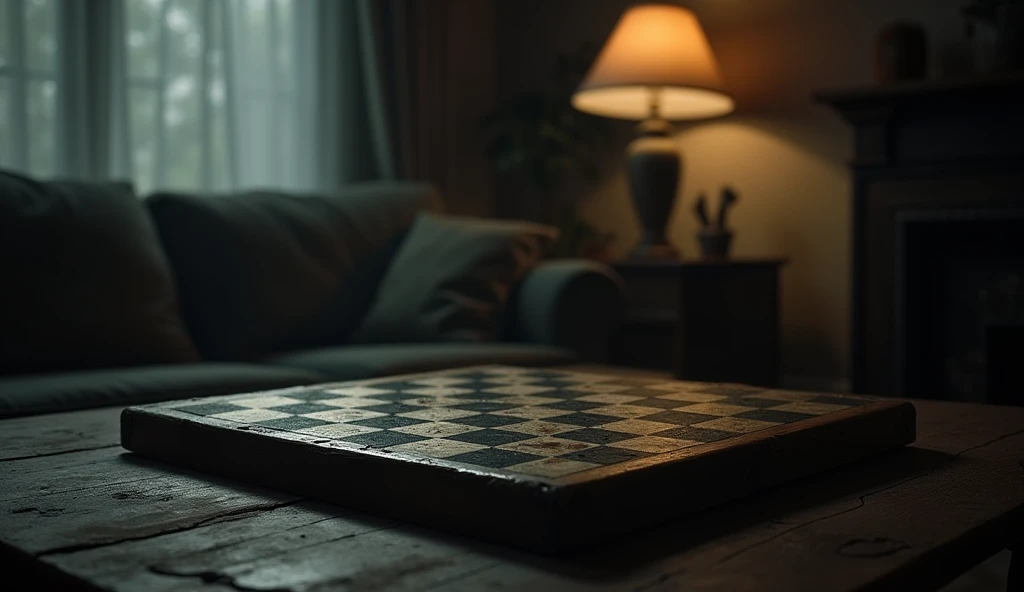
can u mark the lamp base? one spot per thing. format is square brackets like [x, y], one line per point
[654, 169]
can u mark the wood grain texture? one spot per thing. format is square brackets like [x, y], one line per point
[916, 518]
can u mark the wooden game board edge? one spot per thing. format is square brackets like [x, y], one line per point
[752, 438]
[445, 496]
[762, 460]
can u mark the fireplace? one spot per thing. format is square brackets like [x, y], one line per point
[938, 249]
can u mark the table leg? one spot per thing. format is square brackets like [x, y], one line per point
[1015, 576]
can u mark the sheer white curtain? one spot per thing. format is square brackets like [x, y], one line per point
[187, 94]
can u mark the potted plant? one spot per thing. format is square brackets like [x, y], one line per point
[540, 135]
[1000, 24]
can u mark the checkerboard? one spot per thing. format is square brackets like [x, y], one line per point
[522, 425]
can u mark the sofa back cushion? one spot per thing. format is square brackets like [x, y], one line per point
[85, 282]
[263, 272]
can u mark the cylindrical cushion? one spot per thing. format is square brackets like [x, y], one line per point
[572, 303]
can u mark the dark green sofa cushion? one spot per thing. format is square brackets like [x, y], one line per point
[451, 278]
[263, 272]
[85, 283]
[47, 393]
[353, 362]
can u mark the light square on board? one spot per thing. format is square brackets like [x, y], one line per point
[547, 446]
[639, 426]
[351, 402]
[439, 381]
[437, 448]
[629, 411]
[264, 402]
[251, 415]
[342, 415]
[439, 413]
[358, 391]
[538, 412]
[440, 429]
[609, 398]
[552, 467]
[338, 430]
[438, 391]
[540, 428]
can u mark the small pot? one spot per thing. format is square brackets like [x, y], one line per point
[714, 242]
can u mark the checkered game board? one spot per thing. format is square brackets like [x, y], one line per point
[535, 422]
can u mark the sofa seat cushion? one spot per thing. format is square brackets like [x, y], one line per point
[85, 283]
[47, 393]
[263, 272]
[353, 362]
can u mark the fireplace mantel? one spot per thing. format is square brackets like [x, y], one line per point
[927, 155]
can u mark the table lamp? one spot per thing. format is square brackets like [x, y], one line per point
[656, 66]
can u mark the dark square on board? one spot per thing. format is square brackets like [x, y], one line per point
[731, 390]
[754, 402]
[494, 458]
[660, 403]
[483, 406]
[383, 439]
[303, 408]
[210, 408]
[486, 420]
[387, 422]
[586, 420]
[394, 408]
[776, 416]
[312, 396]
[604, 455]
[573, 405]
[491, 437]
[292, 423]
[702, 435]
[595, 436]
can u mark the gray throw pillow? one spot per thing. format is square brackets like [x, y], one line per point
[85, 282]
[451, 278]
[264, 272]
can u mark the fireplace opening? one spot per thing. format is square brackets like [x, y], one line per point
[1004, 364]
[962, 307]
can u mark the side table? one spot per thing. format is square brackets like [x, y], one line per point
[703, 319]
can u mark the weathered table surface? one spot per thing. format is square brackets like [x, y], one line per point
[76, 507]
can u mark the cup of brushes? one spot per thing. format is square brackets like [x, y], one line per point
[714, 237]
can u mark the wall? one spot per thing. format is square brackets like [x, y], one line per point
[783, 154]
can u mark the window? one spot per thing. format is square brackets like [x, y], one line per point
[211, 88]
[28, 85]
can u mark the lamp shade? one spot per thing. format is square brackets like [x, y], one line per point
[657, 56]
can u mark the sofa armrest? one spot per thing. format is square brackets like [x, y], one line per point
[572, 303]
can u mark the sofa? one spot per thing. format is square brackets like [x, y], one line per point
[110, 299]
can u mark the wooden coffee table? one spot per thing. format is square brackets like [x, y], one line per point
[77, 509]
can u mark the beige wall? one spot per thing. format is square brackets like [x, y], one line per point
[783, 154]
